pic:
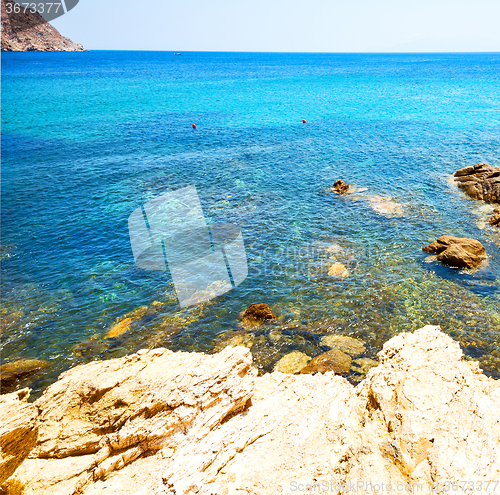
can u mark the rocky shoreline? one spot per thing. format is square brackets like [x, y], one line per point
[168, 422]
[36, 36]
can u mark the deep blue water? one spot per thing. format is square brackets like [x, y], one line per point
[89, 137]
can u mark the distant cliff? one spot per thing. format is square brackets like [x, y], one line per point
[34, 34]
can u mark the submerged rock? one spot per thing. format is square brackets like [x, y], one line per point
[363, 365]
[386, 206]
[333, 360]
[92, 346]
[480, 181]
[338, 270]
[348, 345]
[9, 318]
[340, 187]
[457, 251]
[123, 324]
[256, 313]
[11, 373]
[292, 362]
[184, 423]
[234, 339]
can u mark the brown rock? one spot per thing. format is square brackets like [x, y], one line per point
[481, 181]
[18, 432]
[333, 360]
[495, 218]
[11, 373]
[29, 32]
[344, 343]
[338, 270]
[340, 187]
[123, 323]
[457, 251]
[292, 362]
[257, 313]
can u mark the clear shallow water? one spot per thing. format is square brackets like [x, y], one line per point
[89, 137]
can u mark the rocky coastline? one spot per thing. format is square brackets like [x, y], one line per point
[37, 35]
[163, 422]
[423, 418]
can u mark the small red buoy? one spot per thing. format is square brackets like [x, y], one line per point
[303, 121]
[194, 126]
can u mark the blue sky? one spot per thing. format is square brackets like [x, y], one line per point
[285, 25]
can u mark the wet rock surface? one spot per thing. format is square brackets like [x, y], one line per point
[12, 373]
[124, 323]
[340, 187]
[457, 251]
[292, 362]
[480, 181]
[333, 360]
[363, 365]
[183, 423]
[495, 218]
[348, 345]
[338, 270]
[256, 313]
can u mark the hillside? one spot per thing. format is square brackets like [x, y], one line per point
[29, 32]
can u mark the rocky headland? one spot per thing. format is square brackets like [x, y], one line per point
[33, 34]
[163, 422]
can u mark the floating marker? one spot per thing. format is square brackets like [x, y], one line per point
[303, 121]
[194, 126]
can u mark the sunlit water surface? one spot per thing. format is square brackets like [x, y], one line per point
[89, 137]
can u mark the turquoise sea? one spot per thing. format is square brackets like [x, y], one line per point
[90, 137]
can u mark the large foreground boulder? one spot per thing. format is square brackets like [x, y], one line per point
[480, 181]
[18, 432]
[457, 251]
[159, 422]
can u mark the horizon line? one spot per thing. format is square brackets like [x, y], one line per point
[270, 52]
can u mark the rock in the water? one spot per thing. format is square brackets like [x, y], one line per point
[386, 206]
[11, 373]
[481, 181]
[292, 362]
[123, 324]
[495, 218]
[257, 313]
[18, 432]
[333, 360]
[338, 270]
[234, 339]
[457, 251]
[340, 187]
[363, 365]
[347, 345]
